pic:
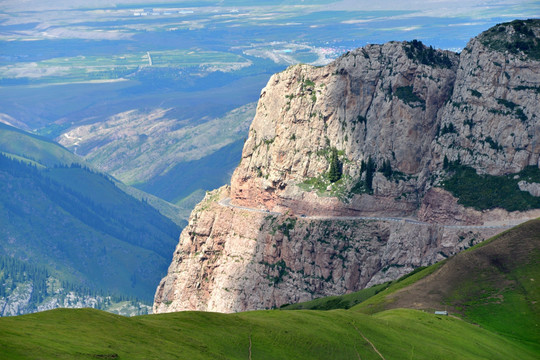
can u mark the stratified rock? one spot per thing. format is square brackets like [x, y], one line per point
[283, 232]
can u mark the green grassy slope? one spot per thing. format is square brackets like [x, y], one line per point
[29, 146]
[494, 284]
[336, 334]
[374, 329]
[77, 223]
[338, 302]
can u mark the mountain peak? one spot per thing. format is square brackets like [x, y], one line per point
[393, 156]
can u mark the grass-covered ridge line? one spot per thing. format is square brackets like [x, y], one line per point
[488, 191]
[492, 284]
[338, 302]
[373, 329]
[337, 334]
[17, 142]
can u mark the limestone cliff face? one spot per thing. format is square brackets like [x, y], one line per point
[288, 234]
[494, 109]
[373, 102]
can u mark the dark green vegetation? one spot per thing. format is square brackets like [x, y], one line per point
[447, 129]
[338, 302]
[518, 36]
[489, 285]
[365, 185]
[332, 182]
[487, 191]
[20, 279]
[406, 94]
[417, 51]
[386, 169]
[335, 171]
[59, 215]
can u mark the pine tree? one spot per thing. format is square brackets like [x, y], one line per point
[335, 171]
[386, 169]
[445, 162]
[370, 169]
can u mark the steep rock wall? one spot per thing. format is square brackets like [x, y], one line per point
[231, 259]
[494, 110]
[373, 102]
[288, 234]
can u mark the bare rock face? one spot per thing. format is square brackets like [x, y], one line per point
[531, 188]
[232, 259]
[493, 111]
[373, 102]
[385, 119]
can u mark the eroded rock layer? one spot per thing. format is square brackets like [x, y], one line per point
[339, 183]
[231, 259]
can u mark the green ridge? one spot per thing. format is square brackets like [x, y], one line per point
[60, 215]
[337, 334]
[370, 330]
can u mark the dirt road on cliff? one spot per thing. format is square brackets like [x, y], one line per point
[226, 202]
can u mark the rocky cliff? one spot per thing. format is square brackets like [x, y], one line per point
[341, 183]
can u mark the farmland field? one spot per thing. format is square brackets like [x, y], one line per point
[87, 68]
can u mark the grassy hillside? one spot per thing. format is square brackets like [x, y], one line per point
[336, 334]
[95, 235]
[493, 284]
[77, 223]
[23, 144]
[486, 286]
[42, 152]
